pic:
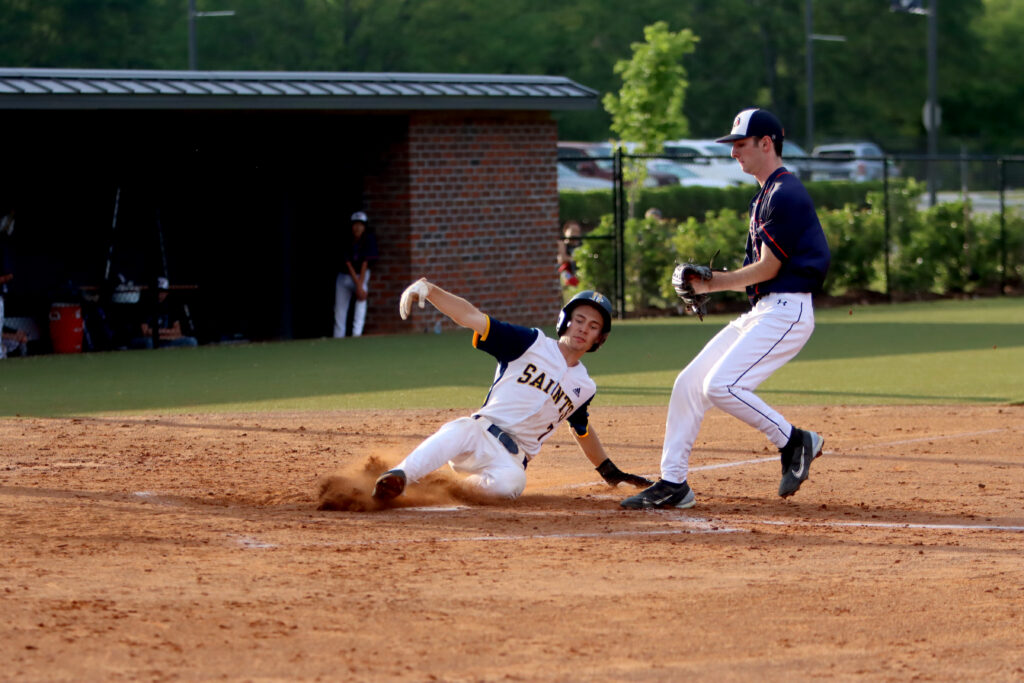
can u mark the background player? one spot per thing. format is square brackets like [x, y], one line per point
[572, 234]
[786, 260]
[539, 383]
[354, 279]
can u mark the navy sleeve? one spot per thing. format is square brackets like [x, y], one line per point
[505, 341]
[580, 419]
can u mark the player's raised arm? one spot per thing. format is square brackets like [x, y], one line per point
[455, 307]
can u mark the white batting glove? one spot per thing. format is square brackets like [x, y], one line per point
[416, 291]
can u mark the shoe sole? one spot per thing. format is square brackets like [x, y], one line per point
[388, 486]
[687, 502]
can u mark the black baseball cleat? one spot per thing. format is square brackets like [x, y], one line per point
[798, 465]
[662, 494]
[389, 485]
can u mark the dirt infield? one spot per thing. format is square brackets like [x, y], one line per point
[190, 547]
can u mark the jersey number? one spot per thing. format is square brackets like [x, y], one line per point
[546, 431]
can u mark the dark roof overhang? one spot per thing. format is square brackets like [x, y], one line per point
[136, 89]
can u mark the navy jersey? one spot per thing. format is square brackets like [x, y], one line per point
[534, 389]
[782, 217]
[363, 249]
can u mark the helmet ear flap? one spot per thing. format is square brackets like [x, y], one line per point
[563, 322]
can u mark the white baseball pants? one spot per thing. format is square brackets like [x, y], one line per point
[344, 290]
[728, 370]
[467, 446]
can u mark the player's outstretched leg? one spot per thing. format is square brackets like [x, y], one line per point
[662, 494]
[389, 485]
[803, 447]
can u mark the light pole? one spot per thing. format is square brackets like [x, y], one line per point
[932, 114]
[192, 16]
[811, 36]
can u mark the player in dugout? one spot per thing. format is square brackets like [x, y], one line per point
[539, 382]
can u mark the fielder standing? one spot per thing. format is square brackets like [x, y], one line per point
[786, 260]
[539, 382]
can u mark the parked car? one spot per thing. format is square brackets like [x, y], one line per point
[715, 158]
[858, 161]
[569, 179]
[799, 161]
[594, 159]
[687, 176]
[579, 157]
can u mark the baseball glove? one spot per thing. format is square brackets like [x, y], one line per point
[682, 279]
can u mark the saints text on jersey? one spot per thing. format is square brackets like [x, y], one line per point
[550, 387]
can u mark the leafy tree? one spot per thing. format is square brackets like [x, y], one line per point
[648, 109]
[752, 53]
[96, 34]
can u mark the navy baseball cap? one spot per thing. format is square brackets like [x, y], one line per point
[755, 123]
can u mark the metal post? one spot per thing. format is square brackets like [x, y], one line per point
[933, 97]
[1002, 225]
[888, 225]
[809, 30]
[811, 36]
[191, 35]
[192, 16]
[620, 231]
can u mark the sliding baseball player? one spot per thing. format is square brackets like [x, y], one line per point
[539, 382]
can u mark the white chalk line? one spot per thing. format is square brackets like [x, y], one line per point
[941, 437]
[701, 468]
[691, 526]
[255, 544]
[684, 526]
[759, 461]
[887, 525]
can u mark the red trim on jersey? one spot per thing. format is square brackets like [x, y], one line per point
[765, 233]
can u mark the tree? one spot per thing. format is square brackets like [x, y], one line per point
[648, 109]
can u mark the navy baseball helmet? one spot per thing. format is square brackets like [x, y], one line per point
[591, 298]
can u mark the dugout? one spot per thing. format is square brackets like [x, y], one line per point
[238, 186]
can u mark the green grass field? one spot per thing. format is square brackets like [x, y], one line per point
[928, 353]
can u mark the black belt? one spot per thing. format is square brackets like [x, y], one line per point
[503, 438]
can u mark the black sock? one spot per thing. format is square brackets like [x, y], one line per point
[786, 452]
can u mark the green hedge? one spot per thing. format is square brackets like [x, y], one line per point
[683, 202]
[935, 251]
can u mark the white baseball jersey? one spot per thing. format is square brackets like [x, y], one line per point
[534, 389]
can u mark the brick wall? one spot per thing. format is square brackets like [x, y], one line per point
[470, 201]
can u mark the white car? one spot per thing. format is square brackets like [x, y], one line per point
[715, 158]
[569, 179]
[796, 159]
[687, 176]
[857, 161]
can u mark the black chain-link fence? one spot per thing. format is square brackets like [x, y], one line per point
[900, 226]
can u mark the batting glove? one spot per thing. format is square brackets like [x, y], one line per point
[416, 291]
[614, 476]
